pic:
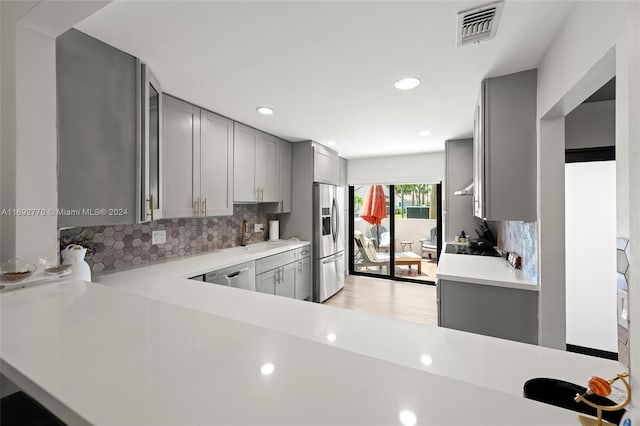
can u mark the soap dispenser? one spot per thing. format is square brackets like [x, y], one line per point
[244, 237]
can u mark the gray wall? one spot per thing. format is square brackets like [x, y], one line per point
[590, 125]
[97, 130]
[458, 210]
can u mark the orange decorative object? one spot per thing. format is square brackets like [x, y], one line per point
[599, 386]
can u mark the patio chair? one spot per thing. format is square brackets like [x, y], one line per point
[430, 245]
[367, 255]
[382, 241]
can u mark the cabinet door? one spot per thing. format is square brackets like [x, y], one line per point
[152, 176]
[303, 279]
[285, 168]
[244, 143]
[478, 163]
[287, 280]
[181, 158]
[325, 165]
[266, 282]
[216, 165]
[266, 166]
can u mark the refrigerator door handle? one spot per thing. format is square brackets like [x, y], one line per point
[337, 220]
[334, 217]
[333, 259]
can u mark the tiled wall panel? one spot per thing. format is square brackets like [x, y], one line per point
[124, 246]
[521, 238]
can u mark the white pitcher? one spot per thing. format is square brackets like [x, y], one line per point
[74, 254]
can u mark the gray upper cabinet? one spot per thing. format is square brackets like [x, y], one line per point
[151, 180]
[198, 161]
[181, 153]
[244, 143]
[216, 164]
[504, 148]
[266, 163]
[325, 165]
[285, 163]
[255, 171]
[98, 136]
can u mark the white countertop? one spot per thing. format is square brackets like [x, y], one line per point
[468, 357]
[153, 351]
[96, 355]
[493, 271]
[190, 266]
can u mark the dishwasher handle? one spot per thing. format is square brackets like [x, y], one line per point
[235, 274]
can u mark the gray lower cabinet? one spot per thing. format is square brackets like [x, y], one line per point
[285, 274]
[303, 279]
[266, 282]
[506, 313]
[287, 283]
[280, 281]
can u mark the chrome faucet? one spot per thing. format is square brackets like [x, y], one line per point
[245, 237]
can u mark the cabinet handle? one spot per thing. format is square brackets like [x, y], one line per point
[150, 212]
[281, 205]
[198, 206]
[300, 266]
[261, 194]
[205, 206]
[257, 194]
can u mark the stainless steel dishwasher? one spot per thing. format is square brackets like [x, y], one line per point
[239, 276]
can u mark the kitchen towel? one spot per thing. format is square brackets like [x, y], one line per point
[274, 230]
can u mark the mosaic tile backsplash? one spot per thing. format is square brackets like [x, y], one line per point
[521, 238]
[124, 246]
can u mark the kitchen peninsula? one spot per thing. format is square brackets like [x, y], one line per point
[164, 349]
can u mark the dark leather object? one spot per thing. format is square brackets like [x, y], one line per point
[561, 394]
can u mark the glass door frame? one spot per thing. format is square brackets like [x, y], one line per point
[391, 271]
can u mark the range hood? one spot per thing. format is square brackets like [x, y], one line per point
[467, 190]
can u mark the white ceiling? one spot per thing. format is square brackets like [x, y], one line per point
[328, 67]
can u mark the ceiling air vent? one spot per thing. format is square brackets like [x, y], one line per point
[480, 23]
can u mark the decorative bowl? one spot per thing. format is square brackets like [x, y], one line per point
[15, 270]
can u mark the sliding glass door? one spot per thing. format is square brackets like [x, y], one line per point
[371, 228]
[395, 231]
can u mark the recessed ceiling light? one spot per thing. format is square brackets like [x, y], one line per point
[425, 132]
[267, 369]
[407, 83]
[407, 418]
[331, 337]
[331, 143]
[265, 110]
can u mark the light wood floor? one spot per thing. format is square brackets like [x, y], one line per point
[428, 269]
[404, 301]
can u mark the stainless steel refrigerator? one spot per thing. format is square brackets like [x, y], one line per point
[328, 241]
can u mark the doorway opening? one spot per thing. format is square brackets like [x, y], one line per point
[590, 226]
[395, 231]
